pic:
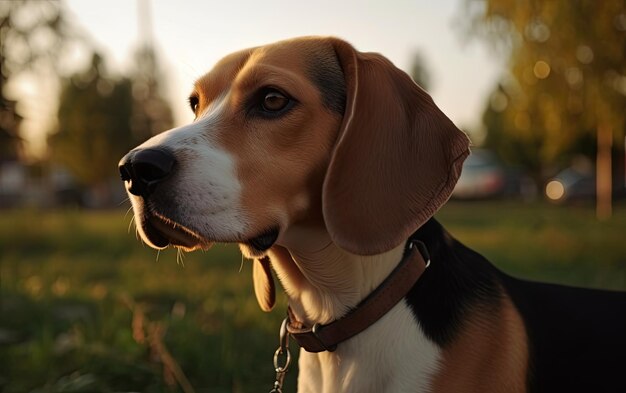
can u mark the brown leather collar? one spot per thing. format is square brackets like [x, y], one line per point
[321, 338]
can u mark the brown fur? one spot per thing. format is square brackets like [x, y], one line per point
[282, 162]
[397, 148]
[490, 354]
[393, 145]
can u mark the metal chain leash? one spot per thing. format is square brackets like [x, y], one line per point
[283, 350]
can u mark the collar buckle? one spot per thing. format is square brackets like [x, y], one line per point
[421, 247]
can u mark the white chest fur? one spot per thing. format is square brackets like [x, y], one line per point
[393, 355]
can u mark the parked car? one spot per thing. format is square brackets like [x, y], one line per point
[577, 184]
[484, 176]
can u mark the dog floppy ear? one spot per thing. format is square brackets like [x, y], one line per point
[396, 159]
[264, 288]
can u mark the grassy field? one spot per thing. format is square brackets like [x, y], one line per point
[85, 307]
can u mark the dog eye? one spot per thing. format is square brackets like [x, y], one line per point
[193, 103]
[274, 101]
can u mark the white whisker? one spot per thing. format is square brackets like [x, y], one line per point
[128, 211]
[127, 199]
[180, 257]
[132, 219]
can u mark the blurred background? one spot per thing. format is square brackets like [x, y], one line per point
[539, 86]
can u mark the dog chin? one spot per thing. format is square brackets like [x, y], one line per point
[250, 252]
[257, 246]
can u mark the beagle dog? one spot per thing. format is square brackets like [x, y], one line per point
[326, 165]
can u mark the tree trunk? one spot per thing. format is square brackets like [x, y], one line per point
[604, 172]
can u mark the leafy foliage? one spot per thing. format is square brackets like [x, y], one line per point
[32, 36]
[567, 76]
[101, 118]
[94, 129]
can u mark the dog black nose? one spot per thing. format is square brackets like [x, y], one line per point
[144, 169]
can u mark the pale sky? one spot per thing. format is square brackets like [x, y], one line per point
[192, 35]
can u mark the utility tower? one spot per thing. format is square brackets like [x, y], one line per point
[151, 113]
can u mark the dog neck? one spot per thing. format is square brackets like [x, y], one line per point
[322, 281]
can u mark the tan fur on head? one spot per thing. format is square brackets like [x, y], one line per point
[361, 154]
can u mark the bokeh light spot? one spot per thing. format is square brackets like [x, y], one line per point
[541, 69]
[555, 190]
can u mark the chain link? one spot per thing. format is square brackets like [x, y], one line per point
[283, 350]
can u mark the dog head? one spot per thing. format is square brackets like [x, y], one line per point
[307, 131]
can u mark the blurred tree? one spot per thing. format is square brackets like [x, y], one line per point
[10, 142]
[32, 34]
[101, 118]
[94, 129]
[419, 71]
[568, 81]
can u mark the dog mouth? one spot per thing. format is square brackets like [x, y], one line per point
[162, 232]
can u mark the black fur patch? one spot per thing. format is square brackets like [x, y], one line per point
[326, 73]
[577, 336]
[457, 280]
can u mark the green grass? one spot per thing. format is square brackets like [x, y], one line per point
[561, 244]
[79, 295]
[70, 282]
